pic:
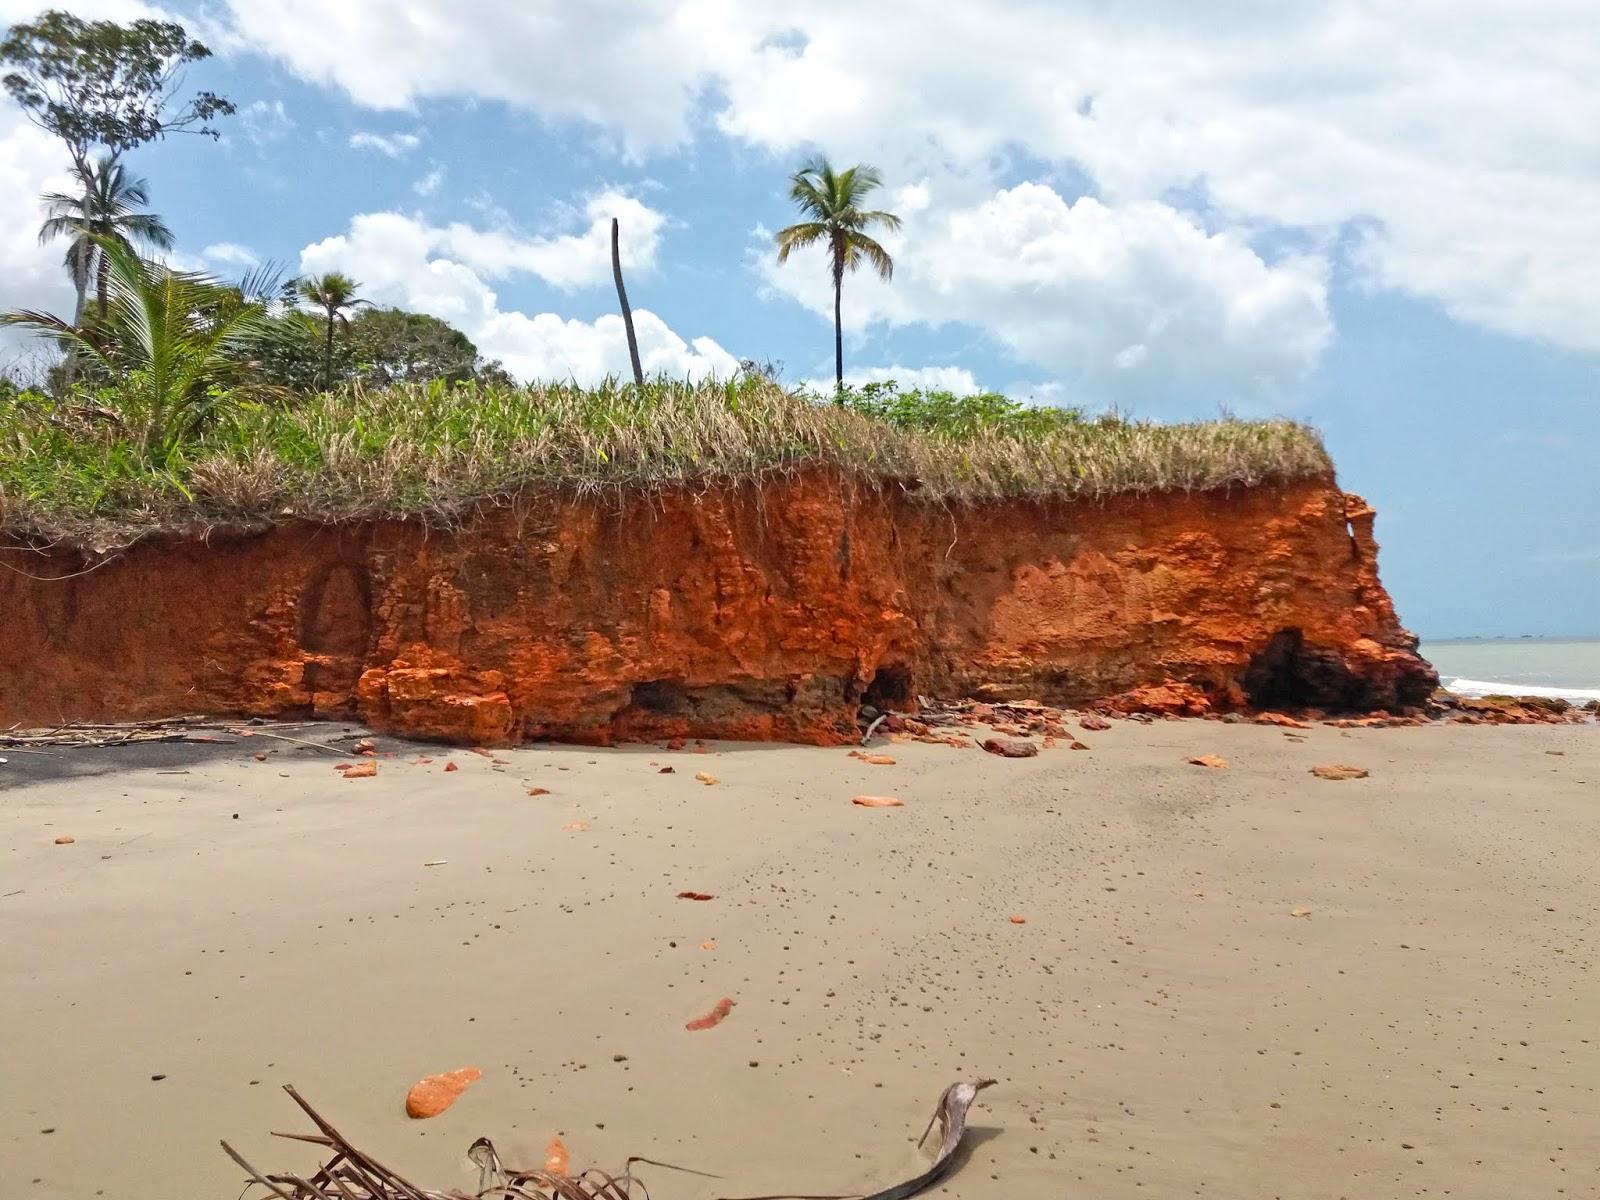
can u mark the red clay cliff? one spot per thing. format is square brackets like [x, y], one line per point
[766, 611]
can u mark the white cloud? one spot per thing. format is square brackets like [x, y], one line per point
[390, 145]
[1459, 135]
[1133, 302]
[265, 121]
[633, 70]
[430, 183]
[403, 261]
[565, 260]
[230, 254]
[31, 162]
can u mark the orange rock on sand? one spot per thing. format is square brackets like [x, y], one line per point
[364, 769]
[1019, 920]
[538, 791]
[450, 766]
[65, 840]
[556, 1159]
[431, 1096]
[713, 1018]
[1280, 719]
[1209, 760]
[1338, 771]
[879, 802]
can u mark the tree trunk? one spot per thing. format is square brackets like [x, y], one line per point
[80, 284]
[838, 336]
[102, 272]
[622, 299]
[327, 356]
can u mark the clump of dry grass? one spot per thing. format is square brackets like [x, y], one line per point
[435, 453]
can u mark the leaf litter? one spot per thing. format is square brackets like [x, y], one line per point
[352, 1174]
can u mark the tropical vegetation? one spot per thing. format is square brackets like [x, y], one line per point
[182, 399]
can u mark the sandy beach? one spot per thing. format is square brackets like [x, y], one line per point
[1160, 1025]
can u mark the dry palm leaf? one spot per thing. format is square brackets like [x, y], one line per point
[353, 1175]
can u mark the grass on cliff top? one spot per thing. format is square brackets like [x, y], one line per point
[72, 474]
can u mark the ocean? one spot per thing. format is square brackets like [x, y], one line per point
[1568, 668]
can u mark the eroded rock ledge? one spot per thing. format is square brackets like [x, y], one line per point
[765, 611]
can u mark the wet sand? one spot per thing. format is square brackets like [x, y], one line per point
[1160, 1026]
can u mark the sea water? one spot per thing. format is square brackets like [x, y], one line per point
[1568, 668]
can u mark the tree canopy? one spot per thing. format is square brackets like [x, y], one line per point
[98, 83]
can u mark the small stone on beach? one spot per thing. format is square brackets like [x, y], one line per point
[1338, 771]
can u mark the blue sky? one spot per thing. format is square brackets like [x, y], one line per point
[1386, 223]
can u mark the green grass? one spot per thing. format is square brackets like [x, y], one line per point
[72, 474]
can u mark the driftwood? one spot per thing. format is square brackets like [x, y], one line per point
[351, 1174]
[166, 729]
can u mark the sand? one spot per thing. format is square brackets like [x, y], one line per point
[1161, 1025]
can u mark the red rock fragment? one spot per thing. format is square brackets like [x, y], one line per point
[667, 771]
[1214, 761]
[361, 770]
[1280, 719]
[695, 896]
[1094, 723]
[713, 1018]
[538, 791]
[878, 802]
[1011, 748]
[1019, 920]
[557, 1161]
[431, 1096]
[1338, 771]
[450, 766]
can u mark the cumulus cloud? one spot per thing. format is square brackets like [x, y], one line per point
[390, 145]
[230, 254]
[31, 162]
[632, 70]
[1130, 302]
[1407, 122]
[445, 272]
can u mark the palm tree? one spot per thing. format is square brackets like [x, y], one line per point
[106, 211]
[832, 199]
[332, 293]
[174, 353]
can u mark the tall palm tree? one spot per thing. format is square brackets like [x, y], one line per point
[332, 293]
[832, 200]
[107, 211]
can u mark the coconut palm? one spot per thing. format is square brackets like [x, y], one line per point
[173, 353]
[832, 200]
[108, 210]
[332, 293]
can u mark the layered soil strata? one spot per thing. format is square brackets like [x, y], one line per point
[762, 610]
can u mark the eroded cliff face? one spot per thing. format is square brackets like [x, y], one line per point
[766, 611]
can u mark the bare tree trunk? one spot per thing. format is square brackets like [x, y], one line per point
[622, 298]
[838, 337]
